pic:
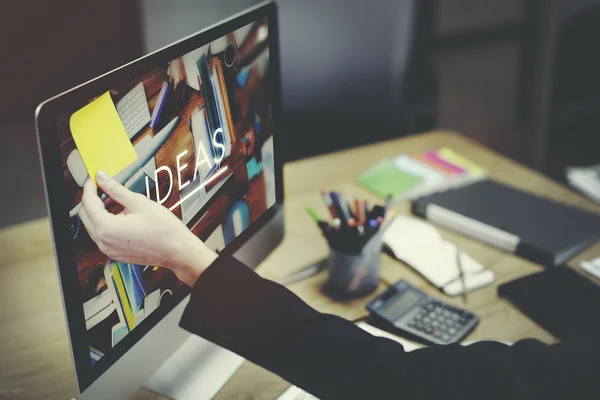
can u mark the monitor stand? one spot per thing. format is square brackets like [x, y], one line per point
[197, 370]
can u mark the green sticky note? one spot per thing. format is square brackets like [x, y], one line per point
[385, 179]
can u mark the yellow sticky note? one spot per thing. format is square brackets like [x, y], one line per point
[101, 138]
[452, 157]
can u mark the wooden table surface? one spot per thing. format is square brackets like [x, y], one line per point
[34, 354]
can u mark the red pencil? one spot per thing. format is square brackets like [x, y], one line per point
[358, 212]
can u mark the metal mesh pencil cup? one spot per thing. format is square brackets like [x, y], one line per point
[356, 274]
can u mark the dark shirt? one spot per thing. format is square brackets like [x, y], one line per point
[332, 358]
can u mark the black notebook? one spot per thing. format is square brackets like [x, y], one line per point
[560, 300]
[532, 227]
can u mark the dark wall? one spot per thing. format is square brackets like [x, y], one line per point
[49, 46]
[344, 55]
[342, 66]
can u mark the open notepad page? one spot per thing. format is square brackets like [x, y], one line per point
[420, 245]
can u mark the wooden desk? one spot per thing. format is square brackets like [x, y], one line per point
[34, 353]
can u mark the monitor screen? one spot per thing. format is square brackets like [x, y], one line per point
[200, 124]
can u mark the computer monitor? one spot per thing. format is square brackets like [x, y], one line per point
[201, 115]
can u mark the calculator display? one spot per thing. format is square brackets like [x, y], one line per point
[400, 304]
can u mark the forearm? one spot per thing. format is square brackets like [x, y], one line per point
[267, 324]
[332, 358]
[189, 257]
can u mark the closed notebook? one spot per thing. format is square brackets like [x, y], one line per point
[561, 300]
[532, 227]
[385, 179]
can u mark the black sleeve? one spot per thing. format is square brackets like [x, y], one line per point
[332, 358]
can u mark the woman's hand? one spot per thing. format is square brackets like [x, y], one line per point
[145, 233]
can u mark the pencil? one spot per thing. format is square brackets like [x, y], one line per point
[358, 212]
[313, 214]
[339, 210]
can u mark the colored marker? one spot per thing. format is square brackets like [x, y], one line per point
[313, 214]
[329, 203]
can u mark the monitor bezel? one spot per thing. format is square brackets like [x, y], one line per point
[58, 204]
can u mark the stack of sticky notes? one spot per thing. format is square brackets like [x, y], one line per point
[407, 177]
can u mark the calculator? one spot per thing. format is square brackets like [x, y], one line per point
[429, 319]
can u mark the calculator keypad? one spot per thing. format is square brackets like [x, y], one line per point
[440, 321]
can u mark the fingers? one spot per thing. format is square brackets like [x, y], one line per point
[92, 205]
[89, 226]
[115, 190]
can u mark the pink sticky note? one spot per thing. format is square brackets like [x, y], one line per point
[433, 156]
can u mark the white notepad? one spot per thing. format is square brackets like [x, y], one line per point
[420, 245]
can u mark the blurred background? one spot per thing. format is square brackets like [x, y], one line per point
[519, 76]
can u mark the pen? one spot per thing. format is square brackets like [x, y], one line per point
[344, 206]
[338, 208]
[461, 273]
[329, 203]
[388, 202]
[387, 220]
[324, 226]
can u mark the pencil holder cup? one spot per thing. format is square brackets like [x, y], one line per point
[356, 274]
